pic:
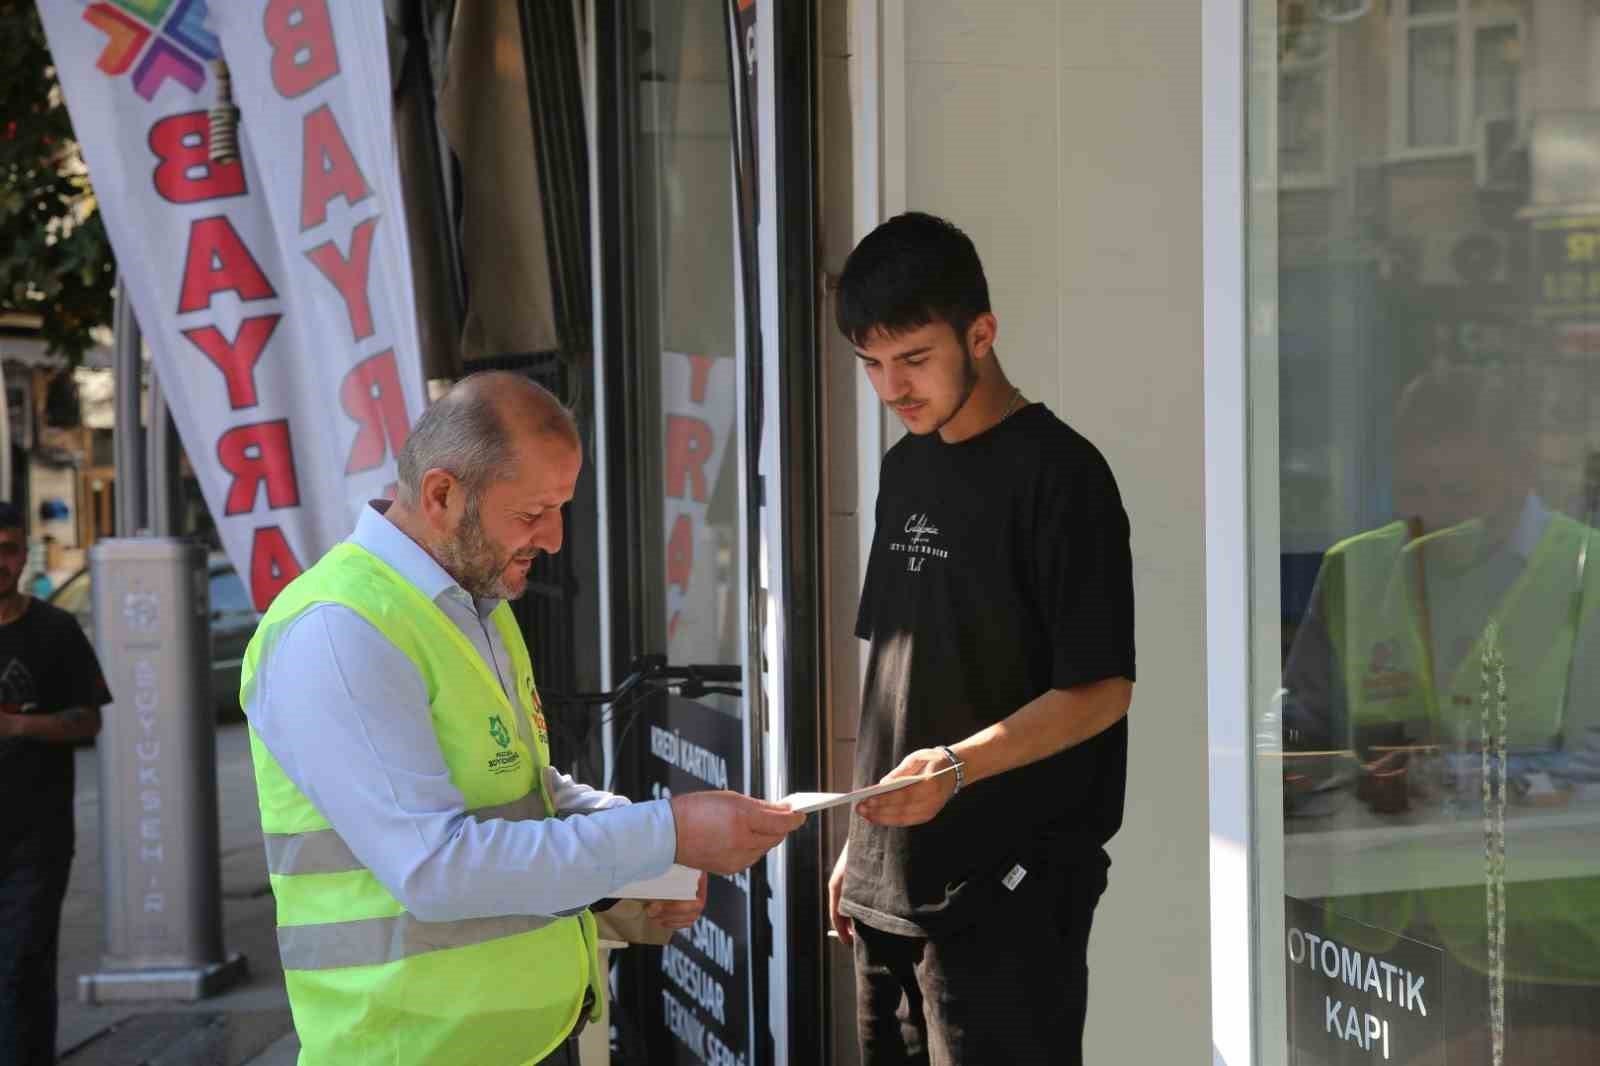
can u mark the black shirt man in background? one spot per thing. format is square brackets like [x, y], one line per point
[51, 691]
[999, 606]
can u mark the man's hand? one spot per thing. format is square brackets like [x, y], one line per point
[843, 924]
[678, 914]
[724, 832]
[917, 803]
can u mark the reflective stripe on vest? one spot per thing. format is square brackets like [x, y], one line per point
[323, 851]
[374, 941]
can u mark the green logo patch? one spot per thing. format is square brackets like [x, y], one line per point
[497, 730]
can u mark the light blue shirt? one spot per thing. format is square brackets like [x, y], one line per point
[345, 713]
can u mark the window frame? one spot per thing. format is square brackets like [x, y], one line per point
[1467, 21]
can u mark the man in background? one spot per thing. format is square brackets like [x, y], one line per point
[51, 692]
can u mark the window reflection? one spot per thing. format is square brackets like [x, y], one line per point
[686, 306]
[1434, 320]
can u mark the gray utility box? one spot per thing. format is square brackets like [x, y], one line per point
[158, 776]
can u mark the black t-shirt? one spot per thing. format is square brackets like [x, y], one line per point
[1000, 569]
[46, 665]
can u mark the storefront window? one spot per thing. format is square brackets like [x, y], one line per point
[687, 314]
[1425, 440]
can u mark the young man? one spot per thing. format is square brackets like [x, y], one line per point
[999, 606]
[51, 691]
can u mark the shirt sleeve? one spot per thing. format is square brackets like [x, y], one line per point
[81, 682]
[345, 713]
[1314, 712]
[572, 797]
[1085, 572]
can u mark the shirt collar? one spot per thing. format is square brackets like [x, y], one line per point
[377, 534]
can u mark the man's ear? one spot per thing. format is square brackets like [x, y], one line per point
[440, 499]
[981, 335]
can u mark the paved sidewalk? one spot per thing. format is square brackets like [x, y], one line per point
[247, 1025]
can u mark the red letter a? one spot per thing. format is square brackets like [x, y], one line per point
[217, 262]
[327, 169]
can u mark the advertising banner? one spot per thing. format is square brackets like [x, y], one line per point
[274, 290]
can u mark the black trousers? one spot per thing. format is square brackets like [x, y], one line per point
[1009, 989]
[32, 888]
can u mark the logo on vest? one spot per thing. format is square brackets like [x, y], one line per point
[536, 708]
[505, 760]
[1385, 680]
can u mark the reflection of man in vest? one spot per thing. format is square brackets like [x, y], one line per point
[1389, 666]
[1391, 648]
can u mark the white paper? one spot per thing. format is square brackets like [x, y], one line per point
[807, 802]
[679, 882]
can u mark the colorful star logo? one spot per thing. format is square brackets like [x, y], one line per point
[157, 40]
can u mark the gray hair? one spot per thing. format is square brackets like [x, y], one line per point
[465, 433]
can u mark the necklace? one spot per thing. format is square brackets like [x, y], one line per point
[1016, 397]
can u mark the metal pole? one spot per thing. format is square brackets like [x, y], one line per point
[161, 462]
[162, 900]
[5, 441]
[128, 441]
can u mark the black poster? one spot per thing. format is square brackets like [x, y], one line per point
[690, 999]
[1359, 994]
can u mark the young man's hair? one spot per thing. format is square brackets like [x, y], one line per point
[11, 517]
[912, 271]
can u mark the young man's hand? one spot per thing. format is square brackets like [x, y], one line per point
[843, 924]
[917, 803]
[678, 914]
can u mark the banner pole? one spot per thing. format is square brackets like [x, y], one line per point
[128, 441]
[160, 462]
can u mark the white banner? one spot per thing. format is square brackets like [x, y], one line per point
[275, 293]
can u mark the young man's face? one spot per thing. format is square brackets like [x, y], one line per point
[925, 375]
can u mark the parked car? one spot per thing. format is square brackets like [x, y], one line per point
[233, 621]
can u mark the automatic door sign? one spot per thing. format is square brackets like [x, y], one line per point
[1359, 994]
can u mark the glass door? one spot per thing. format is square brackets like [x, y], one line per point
[675, 236]
[1424, 423]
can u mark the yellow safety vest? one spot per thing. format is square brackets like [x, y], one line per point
[369, 983]
[1383, 642]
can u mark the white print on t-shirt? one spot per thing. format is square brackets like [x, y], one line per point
[17, 688]
[920, 547]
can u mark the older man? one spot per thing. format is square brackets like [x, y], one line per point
[431, 888]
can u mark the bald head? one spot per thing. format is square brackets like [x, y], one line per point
[477, 430]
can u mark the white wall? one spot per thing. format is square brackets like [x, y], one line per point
[1065, 137]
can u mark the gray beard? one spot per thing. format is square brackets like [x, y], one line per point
[474, 561]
